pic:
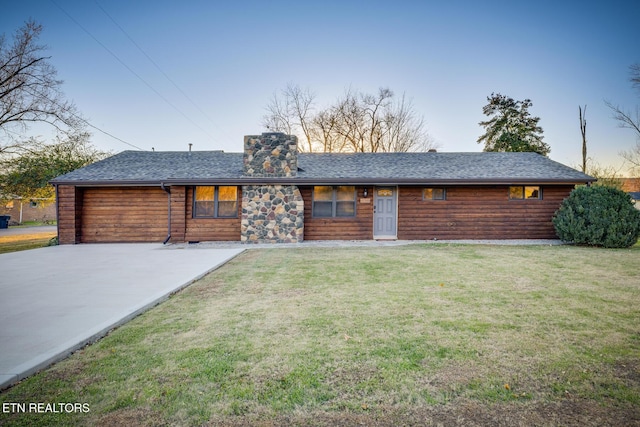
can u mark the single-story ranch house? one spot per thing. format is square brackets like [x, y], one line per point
[273, 193]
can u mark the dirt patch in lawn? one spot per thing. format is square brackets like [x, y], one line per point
[463, 413]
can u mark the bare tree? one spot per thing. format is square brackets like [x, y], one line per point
[635, 75]
[608, 176]
[630, 119]
[291, 113]
[356, 122]
[29, 89]
[583, 131]
[406, 131]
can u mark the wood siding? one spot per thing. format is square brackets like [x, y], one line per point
[139, 214]
[69, 213]
[358, 228]
[210, 229]
[178, 213]
[124, 214]
[478, 213]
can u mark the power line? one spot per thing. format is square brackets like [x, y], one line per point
[131, 70]
[112, 136]
[85, 121]
[155, 64]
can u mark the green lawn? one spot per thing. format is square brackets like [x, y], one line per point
[410, 335]
[25, 242]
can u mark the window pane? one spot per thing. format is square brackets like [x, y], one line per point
[322, 209]
[427, 194]
[438, 194]
[323, 193]
[516, 192]
[227, 209]
[346, 193]
[345, 208]
[227, 194]
[532, 192]
[204, 193]
[204, 208]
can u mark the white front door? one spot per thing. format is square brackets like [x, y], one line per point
[385, 218]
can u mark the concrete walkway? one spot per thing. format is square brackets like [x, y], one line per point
[55, 300]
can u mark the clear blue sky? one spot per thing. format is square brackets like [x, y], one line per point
[447, 57]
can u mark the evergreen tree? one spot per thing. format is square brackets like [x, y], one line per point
[511, 127]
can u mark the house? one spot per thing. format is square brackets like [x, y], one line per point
[22, 210]
[632, 187]
[273, 193]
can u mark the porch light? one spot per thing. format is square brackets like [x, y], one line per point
[365, 192]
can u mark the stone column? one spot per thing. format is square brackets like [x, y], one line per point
[271, 213]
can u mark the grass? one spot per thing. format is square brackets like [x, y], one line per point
[25, 242]
[27, 224]
[379, 336]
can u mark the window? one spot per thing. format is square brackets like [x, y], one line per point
[524, 192]
[33, 204]
[337, 201]
[433, 194]
[215, 202]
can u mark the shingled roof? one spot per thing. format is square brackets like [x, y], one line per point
[217, 167]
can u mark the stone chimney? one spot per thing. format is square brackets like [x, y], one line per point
[271, 155]
[271, 213]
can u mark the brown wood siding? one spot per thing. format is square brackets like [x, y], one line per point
[69, 212]
[358, 228]
[178, 213]
[478, 213]
[211, 229]
[124, 214]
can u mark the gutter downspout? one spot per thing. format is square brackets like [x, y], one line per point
[168, 191]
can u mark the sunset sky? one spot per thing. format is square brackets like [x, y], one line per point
[229, 58]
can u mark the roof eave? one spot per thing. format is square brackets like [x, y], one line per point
[323, 181]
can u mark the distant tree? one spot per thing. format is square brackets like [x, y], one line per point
[583, 131]
[28, 174]
[635, 75]
[356, 122]
[630, 120]
[608, 176]
[511, 127]
[291, 113]
[29, 89]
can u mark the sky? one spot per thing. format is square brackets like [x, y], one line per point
[165, 74]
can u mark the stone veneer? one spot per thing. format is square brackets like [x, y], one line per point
[271, 213]
[271, 155]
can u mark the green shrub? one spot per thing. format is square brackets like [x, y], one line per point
[598, 216]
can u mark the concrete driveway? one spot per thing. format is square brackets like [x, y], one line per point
[55, 300]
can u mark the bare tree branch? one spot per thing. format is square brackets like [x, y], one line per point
[356, 122]
[583, 131]
[29, 89]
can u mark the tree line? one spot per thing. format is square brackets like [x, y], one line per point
[356, 122]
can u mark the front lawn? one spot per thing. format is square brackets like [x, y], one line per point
[410, 335]
[23, 242]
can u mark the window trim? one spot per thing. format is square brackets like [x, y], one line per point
[334, 202]
[216, 193]
[524, 192]
[444, 194]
